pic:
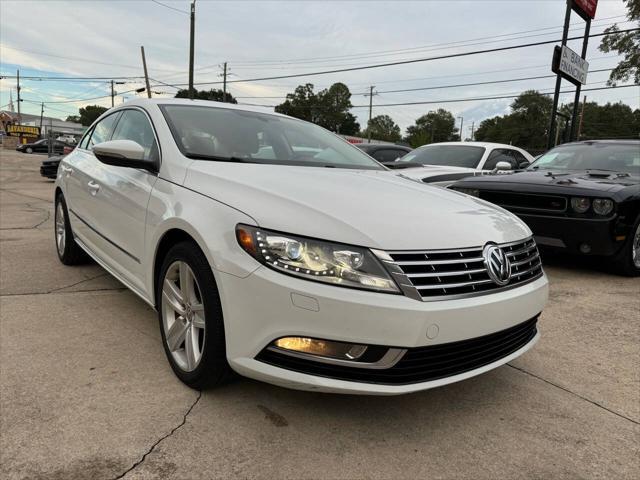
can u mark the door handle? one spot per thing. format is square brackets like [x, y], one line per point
[93, 187]
[67, 170]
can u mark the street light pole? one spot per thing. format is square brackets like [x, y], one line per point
[191, 41]
[461, 120]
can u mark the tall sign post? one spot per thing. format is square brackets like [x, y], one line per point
[569, 65]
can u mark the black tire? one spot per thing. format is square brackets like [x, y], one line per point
[71, 254]
[213, 368]
[623, 262]
[29, 150]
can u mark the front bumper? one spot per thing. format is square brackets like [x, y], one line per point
[49, 171]
[570, 234]
[268, 305]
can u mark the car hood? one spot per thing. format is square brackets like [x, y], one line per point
[371, 208]
[575, 180]
[437, 173]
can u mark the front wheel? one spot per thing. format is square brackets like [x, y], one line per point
[29, 150]
[627, 262]
[190, 317]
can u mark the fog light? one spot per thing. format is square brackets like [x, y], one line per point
[323, 348]
[585, 248]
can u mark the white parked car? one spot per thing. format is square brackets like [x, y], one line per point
[448, 162]
[288, 268]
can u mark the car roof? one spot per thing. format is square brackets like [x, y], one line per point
[145, 102]
[473, 144]
[603, 141]
[372, 146]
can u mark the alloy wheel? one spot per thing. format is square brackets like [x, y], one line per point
[635, 247]
[60, 229]
[183, 317]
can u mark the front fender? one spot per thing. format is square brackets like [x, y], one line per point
[209, 222]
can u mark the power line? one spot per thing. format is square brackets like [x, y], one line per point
[311, 64]
[84, 60]
[403, 50]
[438, 87]
[457, 100]
[404, 62]
[170, 7]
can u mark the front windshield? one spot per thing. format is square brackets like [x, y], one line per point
[224, 134]
[623, 158]
[447, 155]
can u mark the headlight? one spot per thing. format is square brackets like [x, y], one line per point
[474, 192]
[603, 206]
[580, 204]
[326, 262]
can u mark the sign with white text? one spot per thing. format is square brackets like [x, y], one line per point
[570, 65]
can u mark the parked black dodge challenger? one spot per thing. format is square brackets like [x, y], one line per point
[581, 197]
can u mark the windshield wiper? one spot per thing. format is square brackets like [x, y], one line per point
[217, 158]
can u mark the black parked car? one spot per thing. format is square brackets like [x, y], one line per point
[41, 146]
[49, 167]
[383, 152]
[583, 198]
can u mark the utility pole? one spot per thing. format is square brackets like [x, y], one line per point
[554, 110]
[146, 75]
[224, 84]
[584, 102]
[461, 120]
[576, 101]
[41, 114]
[113, 92]
[371, 94]
[473, 124]
[191, 40]
[19, 100]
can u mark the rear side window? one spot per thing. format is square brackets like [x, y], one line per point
[388, 155]
[134, 125]
[500, 155]
[103, 130]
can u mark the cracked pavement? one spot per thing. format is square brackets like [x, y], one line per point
[86, 392]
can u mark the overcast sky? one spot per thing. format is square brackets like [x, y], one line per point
[261, 39]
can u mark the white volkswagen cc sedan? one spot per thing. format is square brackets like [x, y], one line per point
[273, 248]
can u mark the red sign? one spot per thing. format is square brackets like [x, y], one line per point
[586, 7]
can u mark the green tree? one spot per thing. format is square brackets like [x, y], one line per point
[627, 44]
[334, 115]
[525, 126]
[215, 95]
[89, 114]
[73, 118]
[328, 108]
[382, 127]
[612, 120]
[435, 126]
[302, 104]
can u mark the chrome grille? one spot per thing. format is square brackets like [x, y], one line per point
[445, 274]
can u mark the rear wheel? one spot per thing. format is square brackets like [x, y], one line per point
[627, 261]
[190, 317]
[68, 250]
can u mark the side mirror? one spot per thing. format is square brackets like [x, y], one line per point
[123, 153]
[500, 166]
[525, 164]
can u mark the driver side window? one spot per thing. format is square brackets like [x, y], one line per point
[134, 125]
[103, 130]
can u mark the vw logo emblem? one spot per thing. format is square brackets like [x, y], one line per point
[497, 264]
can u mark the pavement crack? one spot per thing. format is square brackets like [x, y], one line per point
[150, 450]
[592, 402]
[15, 192]
[77, 283]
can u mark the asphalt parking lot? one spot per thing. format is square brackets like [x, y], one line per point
[86, 391]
